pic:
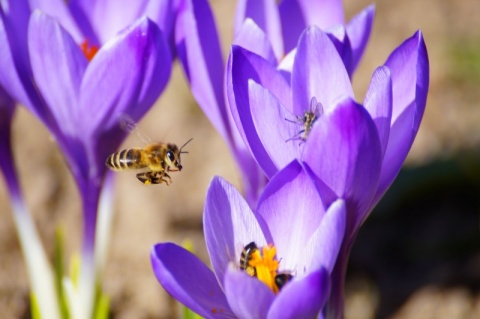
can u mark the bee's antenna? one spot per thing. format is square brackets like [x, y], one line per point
[184, 146]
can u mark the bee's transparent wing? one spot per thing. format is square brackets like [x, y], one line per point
[316, 107]
[129, 125]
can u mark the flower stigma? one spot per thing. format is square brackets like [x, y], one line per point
[88, 50]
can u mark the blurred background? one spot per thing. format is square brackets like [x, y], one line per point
[417, 256]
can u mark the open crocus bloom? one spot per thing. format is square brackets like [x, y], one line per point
[290, 217]
[355, 150]
[283, 23]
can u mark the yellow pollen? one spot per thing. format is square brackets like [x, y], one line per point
[266, 266]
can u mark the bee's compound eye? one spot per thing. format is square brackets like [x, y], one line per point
[170, 156]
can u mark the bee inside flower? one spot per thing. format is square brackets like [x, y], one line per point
[273, 237]
[264, 266]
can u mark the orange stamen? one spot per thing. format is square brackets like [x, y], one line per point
[266, 266]
[88, 50]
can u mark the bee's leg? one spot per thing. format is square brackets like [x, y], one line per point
[169, 178]
[146, 177]
[160, 178]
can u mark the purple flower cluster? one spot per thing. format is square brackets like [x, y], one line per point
[269, 30]
[314, 160]
[299, 115]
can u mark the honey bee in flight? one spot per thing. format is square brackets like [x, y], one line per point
[158, 158]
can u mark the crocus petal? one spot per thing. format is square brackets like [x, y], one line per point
[252, 38]
[105, 17]
[274, 127]
[287, 63]
[52, 48]
[318, 71]
[292, 208]
[302, 299]
[126, 75]
[15, 16]
[265, 15]
[58, 10]
[324, 244]
[409, 70]
[359, 30]
[229, 225]
[243, 66]
[293, 23]
[14, 58]
[188, 280]
[343, 151]
[378, 102]
[12, 74]
[198, 49]
[7, 167]
[298, 14]
[163, 13]
[338, 36]
[324, 13]
[248, 297]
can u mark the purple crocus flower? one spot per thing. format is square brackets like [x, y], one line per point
[81, 101]
[198, 49]
[258, 27]
[290, 216]
[284, 23]
[38, 268]
[354, 151]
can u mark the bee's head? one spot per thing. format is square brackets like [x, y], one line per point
[172, 158]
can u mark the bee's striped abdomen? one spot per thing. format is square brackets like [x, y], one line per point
[125, 159]
[245, 258]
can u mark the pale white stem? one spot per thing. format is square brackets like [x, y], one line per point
[86, 288]
[38, 268]
[73, 300]
[104, 223]
[92, 265]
